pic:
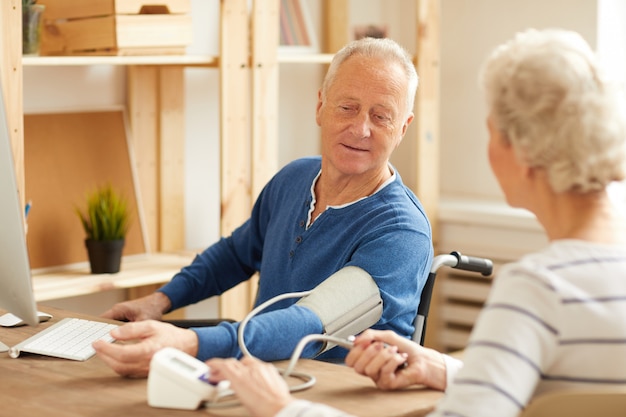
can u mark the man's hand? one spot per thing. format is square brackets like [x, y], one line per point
[133, 359]
[150, 307]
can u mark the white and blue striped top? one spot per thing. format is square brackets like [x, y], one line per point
[555, 319]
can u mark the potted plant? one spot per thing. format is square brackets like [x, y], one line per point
[105, 221]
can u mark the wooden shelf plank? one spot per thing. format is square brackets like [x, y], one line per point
[305, 58]
[185, 60]
[136, 271]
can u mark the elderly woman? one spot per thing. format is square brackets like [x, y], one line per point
[555, 319]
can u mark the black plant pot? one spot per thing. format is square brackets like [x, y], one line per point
[105, 256]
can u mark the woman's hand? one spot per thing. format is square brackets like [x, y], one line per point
[394, 362]
[258, 385]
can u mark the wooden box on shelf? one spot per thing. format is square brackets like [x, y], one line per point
[116, 27]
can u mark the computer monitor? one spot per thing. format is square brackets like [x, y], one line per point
[16, 289]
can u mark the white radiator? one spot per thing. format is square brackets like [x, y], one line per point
[474, 228]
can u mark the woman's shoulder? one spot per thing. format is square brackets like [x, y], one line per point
[568, 260]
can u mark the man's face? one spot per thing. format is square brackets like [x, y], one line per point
[363, 117]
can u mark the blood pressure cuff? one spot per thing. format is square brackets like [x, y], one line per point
[347, 303]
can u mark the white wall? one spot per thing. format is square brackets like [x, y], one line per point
[469, 31]
[612, 36]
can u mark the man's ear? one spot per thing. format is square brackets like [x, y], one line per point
[405, 126]
[407, 122]
[318, 108]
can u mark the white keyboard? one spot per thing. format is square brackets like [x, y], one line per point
[70, 338]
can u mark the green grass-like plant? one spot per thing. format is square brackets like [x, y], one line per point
[107, 216]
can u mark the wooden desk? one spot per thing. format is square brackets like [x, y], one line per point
[36, 385]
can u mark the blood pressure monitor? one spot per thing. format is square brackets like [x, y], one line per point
[178, 380]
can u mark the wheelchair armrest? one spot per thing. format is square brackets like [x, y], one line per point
[187, 323]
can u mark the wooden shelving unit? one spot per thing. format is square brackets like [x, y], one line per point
[304, 59]
[158, 60]
[137, 271]
[248, 65]
[156, 112]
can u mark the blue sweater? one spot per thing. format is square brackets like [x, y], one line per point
[386, 234]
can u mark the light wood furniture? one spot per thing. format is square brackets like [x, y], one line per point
[137, 271]
[248, 65]
[578, 403]
[38, 385]
[156, 113]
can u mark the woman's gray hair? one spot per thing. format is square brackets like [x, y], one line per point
[383, 48]
[545, 91]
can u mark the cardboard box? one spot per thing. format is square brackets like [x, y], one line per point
[116, 27]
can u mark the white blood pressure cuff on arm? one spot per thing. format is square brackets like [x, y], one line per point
[347, 303]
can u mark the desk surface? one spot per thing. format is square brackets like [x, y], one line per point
[37, 385]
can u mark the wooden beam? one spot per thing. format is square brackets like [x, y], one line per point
[143, 114]
[265, 71]
[11, 79]
[336, 20]
[427, 108]
[156, 104]
[172, 158]
[236, 199]
[427, 157]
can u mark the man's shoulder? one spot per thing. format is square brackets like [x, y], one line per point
[307, 162]
[300, 167]
[398, 192]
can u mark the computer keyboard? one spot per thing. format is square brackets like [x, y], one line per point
[70, 338]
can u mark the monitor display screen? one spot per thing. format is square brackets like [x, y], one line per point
[16, 290]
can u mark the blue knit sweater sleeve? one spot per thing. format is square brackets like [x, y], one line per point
[268, 336]
[217, 269]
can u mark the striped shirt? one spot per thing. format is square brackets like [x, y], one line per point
[554, 320]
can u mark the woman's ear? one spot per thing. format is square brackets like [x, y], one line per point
[526, 171]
